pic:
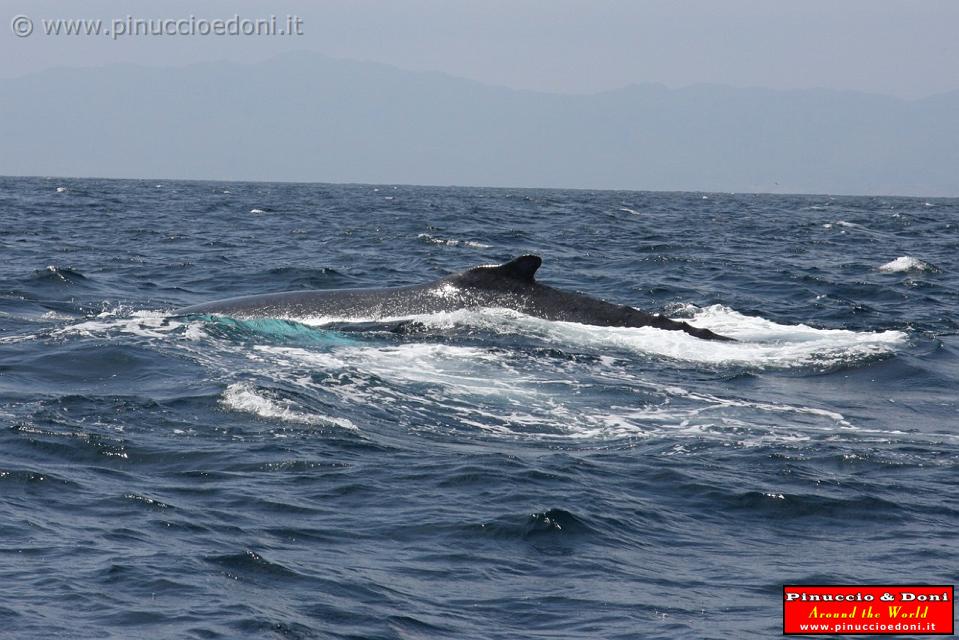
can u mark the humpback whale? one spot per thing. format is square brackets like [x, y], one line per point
[511, 285]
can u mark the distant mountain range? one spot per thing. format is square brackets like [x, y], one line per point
[306, 117]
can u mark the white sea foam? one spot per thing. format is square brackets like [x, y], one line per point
[53, 315]
[453, 243]
[243, 397]
[61, 189]
[521, 396]
[456, 367]
[852, 226]
[257, 211]
[481, 388]
[905, 263]
[518, 393]
[152, 324]
[845, 225]
[761, 343]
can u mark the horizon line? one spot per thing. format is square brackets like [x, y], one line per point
[491, 187]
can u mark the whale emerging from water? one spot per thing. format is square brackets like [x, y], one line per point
[511, 285]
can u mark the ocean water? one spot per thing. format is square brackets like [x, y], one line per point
[484, 474]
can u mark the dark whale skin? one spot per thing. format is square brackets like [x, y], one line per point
[511, 285]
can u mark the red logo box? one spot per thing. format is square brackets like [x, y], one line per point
[891, 609]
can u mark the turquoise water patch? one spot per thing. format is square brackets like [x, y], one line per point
[273, 329]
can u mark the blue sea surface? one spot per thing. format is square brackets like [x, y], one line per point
[482, 474]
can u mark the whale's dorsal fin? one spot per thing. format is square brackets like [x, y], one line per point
[522, 268]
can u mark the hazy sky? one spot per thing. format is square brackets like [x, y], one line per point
[906, 48]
